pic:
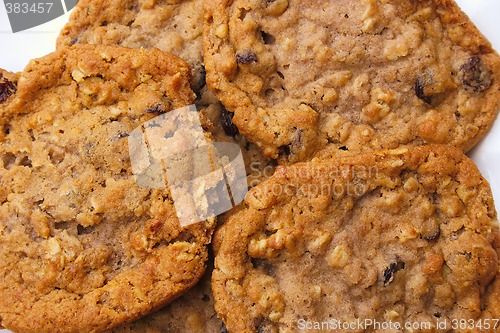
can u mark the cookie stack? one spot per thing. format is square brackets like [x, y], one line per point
[353, 117]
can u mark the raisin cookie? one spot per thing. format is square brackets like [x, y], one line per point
[193, 312]
[217, 121]
[171, 25]
[350, 75]
[403, 236]
[84, 248]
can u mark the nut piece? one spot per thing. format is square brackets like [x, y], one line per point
[276, 7]
[259, 248]
[338, 258]
[221, 31]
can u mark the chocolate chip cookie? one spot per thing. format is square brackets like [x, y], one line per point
[396, 236]
[171, 25]
[351, 76]
[84, 248]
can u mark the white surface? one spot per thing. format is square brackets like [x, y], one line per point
[17, 49]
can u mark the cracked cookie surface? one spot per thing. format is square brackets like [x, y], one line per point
[301, 76]
[406, 235]
[83, 247]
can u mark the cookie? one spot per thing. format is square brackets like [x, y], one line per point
[394, 237]
[193, 312]
[351, 76]
[84, 248]
[216, 120]
[172, 26]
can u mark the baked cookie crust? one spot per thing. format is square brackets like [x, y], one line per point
[83, 247]
[301, 76]
[174, 26]
[403, 236]
[193, 312]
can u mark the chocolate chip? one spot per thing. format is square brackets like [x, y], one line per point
[420, 85]
[159, 108]
[7, 88]
[474, 75]
[393, 268]
[227, 123]
[246, 57]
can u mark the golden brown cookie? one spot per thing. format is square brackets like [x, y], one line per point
[350, 75]
[395, 237]
[217, 121]
[193, 312]
[84, 248]
[171, 25]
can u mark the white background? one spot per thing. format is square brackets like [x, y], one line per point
[17, 49]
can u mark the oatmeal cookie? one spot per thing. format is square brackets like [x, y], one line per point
[404, 236]
[217, 121]
[171, 25]
[193, 312]
[84, 248]
[350, 75]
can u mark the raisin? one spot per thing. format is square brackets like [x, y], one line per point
[431, 236]
[246, 57]
[227, 123]
[420, 85]
[7, 88]
[223, 329]
[159, 108]
[474, 75]
[393, 268]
